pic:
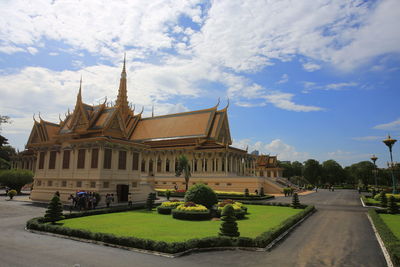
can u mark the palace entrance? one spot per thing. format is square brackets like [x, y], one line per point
[122, 192]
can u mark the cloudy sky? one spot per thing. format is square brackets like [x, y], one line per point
[306, 79]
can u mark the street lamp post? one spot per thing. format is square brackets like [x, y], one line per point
[374, 159]
[389, 142]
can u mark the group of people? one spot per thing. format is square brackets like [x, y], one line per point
[83, 201]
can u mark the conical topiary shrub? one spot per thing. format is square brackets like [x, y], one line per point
[228, 226]
[393, 208]
[54, 211]
[383, 199]
[295, 201]
[150, 201]
[262, 193]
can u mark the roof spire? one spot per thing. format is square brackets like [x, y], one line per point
[79, 97]
[122, 99]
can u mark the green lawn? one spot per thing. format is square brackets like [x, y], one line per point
[393, 222]
[151, 225]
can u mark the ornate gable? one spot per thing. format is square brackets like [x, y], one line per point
[115, 126]
[35, 137]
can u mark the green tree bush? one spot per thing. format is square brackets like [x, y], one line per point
[228, 226]
[262, 193]
[201, 194]
[383, 199]
[393, 208]
[54, 211]
[168, 194]
[295, 201]
[246, 192]
[16, 179]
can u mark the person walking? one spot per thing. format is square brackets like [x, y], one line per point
[71, 203]
[108, 200]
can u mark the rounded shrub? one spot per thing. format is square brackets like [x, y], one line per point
[201, 194]
[12, 193]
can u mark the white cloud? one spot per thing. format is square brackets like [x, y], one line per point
[9, 49]
[284, 79]
[310, 67]
[309, 86]
[394, 125]
[53, 54]
[284, 101]
[275, 147]
[32, 50]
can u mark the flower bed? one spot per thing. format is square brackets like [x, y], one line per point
[191, 211]
[168, 206]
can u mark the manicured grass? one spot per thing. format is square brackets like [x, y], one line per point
[393, 222]
[151, 225]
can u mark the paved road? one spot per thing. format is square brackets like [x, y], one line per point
[338, 234]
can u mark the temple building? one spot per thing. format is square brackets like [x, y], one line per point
[111, 149]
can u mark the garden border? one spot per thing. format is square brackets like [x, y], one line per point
[390, 243]
[265, 241]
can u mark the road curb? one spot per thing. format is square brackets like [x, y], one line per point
[365, 206]
[284, 234]
[381, 244]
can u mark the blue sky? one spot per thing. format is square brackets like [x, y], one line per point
[305, 79]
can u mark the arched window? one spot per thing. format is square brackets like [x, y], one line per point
[167, 166]
[159, 162]
[151, 166]
[143, 165]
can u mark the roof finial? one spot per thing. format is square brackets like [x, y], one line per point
[133, 110]
[152, 111]
[59, 117]
[219, 99]
[34, 117]
[40, 117]
[141, 112]
[123, 68]
[227, 105]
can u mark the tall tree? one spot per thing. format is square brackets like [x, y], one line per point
[183, 167]
[312, 171]
[287, 169]
[332, 172]
[297, 168]
[362, 172]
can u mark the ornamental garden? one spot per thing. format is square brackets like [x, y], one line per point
[200, 220]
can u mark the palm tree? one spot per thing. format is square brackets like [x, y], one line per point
[183, 167]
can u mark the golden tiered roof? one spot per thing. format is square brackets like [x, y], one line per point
[207, 128]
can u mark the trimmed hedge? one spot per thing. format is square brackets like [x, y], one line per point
[238, 214]
[236, 197]
[392, 243]
[191, 216]
[39, 224]
[164, 210]
[221, 196]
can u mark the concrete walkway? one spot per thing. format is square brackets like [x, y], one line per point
[339, 234]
